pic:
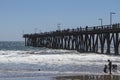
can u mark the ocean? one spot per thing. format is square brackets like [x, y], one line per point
[19, 62]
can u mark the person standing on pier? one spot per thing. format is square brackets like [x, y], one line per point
[110, 66]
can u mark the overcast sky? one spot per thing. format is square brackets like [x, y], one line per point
[27, 16]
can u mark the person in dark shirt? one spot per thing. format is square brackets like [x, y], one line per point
[110, 66]
[105, 68]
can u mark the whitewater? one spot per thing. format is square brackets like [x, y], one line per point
[19, 62]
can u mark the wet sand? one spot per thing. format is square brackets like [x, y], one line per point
[42, 75]
[89, 77]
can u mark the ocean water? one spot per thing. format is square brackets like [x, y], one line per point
[18, 61]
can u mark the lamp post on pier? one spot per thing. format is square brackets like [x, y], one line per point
[111, 13]
[101, 21]
[58, 26]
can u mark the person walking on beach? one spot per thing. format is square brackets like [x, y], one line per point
[110, 66]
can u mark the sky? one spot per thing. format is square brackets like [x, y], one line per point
[18, 17]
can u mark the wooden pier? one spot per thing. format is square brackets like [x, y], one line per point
[103, 39]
